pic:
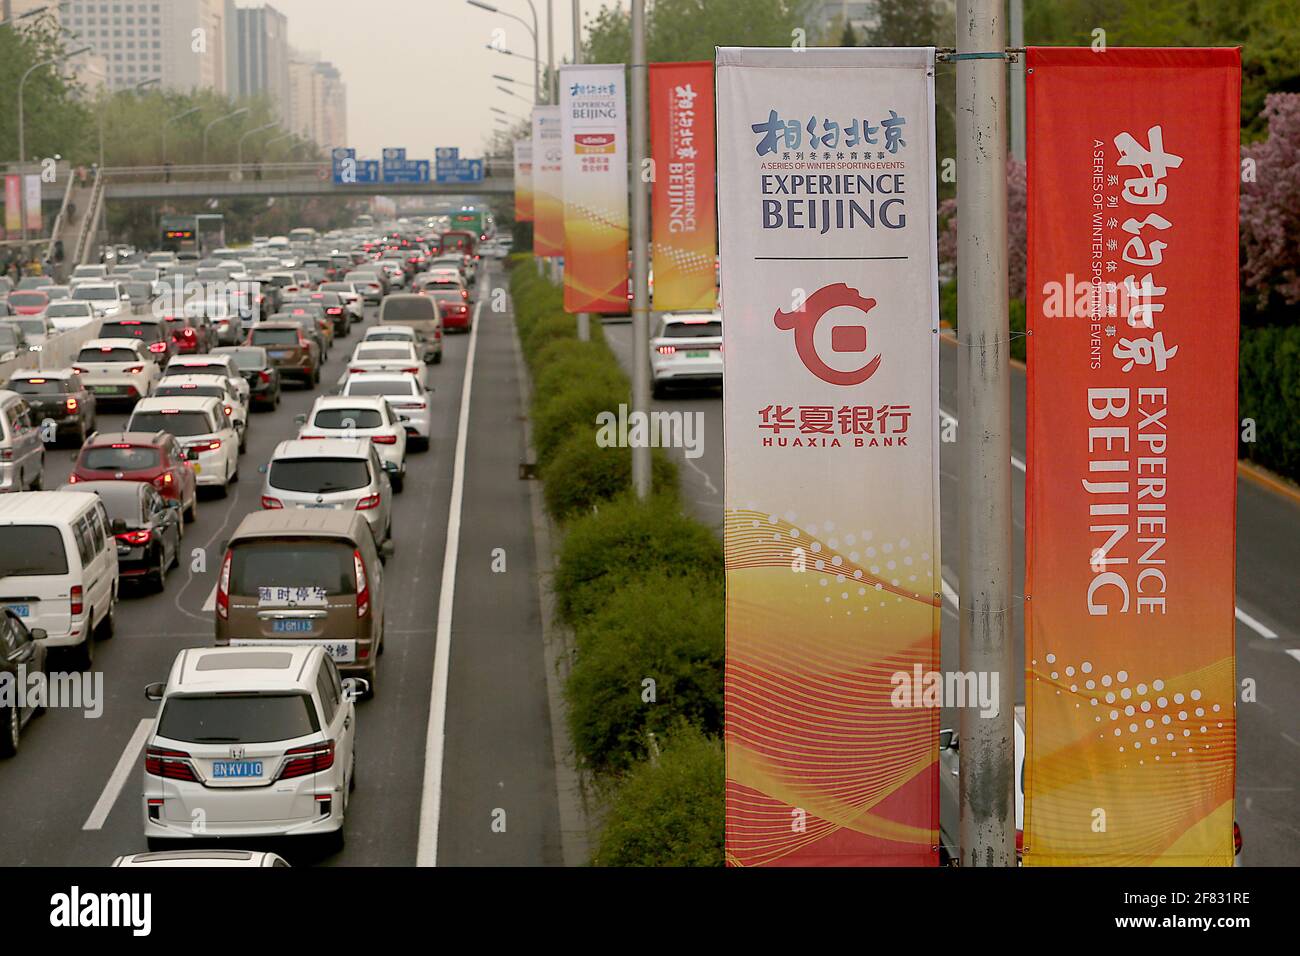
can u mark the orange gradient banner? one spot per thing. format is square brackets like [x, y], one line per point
[593, 134]
[524, 180]
[1131, 472]
[548, 186]
[684, 243]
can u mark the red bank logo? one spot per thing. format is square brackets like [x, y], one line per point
[844, 338]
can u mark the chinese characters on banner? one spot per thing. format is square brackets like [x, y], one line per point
[593, 123]
[13, 206]
[548, 201]
[830, 319]
[682, 144]
[35, 221]
[1132, 446]
[523, 180]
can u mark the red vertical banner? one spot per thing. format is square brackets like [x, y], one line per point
[684, 240]
[1131, 474]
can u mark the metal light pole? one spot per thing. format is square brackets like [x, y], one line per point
[512, 116]
[640, 234]
[553, 85]
[23, 16]
[220, 119]
[167, 122]
[22, 132]
[239, 146]
[1018, 82]
[584, 320]
[987, 784]
[537, 61]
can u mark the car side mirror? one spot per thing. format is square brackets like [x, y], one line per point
[154, 691]
[354, 687]
[38, 633]
[403, 418]
[300, 419]
[947, 740]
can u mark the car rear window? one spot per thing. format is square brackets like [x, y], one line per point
[180, 391]
[30, 550]
[275, 337]
[180, 424]
[182, 369]
[292, 563]
[130, 330]
[361, 387]
[692, 330]
[237, 718]
[119, 458]
[107, 354]
[28, 300]
[348, 418]
[381, 354]
[65, 310]
[41, 386]
[408, 310]
[319, 476]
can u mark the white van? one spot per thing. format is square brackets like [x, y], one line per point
[58, 567]
[22, 450]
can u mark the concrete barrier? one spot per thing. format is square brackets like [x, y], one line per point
[59, 350]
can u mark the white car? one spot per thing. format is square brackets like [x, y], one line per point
[370, 357]
[205, 858]
[117, 369]
[67, 315]
[89, 273]
[260, 739]
[36, 329]
[352, 298]
[686, 349]
[205, 432]
[215, 386]
[405, 394]
[335, 474]
[391, 333]
[338, 416]
[209, 364]
[108, 299]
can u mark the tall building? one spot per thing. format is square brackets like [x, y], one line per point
[826, 18]
[261, 57]
[187, 44]
[89, 70]
[319, 100]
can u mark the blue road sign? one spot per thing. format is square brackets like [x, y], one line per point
[460, 171]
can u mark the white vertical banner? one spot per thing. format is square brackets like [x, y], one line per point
[523, 180]
[829, 285]
[548, 187]
[35, 223]
[593, 132]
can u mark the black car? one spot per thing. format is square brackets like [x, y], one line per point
[22, 654]
[146, 525]
[262, 377]
[59, 401]
[335, 310]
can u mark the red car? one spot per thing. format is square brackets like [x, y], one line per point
[189, 337]
[456, 313]
[155, 457]
[28, 302]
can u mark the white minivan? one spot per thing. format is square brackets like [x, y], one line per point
[22, 450]
[58, 567]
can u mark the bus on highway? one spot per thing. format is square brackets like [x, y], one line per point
[472, 219]
[192, 236]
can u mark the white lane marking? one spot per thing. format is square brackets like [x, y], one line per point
[431, 795]
[210, 604]
[1263, 631]
[708, 482]
[125, 765]
[947, 417]
[1293, 652]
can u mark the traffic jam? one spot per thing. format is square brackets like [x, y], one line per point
[304, 365]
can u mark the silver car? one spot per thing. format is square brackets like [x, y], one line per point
[338, 474]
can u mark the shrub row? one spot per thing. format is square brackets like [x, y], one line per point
[1269, 388]
[640, 583]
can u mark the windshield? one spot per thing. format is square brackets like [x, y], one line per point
[415, 309]
[292, 563]
[237, 718]
[119, 458]
[348, 418]
[29, 550]
[68, 310]
[180, 424]
[319, 476]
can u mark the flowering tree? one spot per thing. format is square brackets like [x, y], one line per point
[1270, 205]
[1017, 213]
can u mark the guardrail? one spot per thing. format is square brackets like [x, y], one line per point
[321, 171]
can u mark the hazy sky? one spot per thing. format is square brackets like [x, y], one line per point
[417, 71]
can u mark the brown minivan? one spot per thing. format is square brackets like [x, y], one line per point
[304, 576]
[290, 352]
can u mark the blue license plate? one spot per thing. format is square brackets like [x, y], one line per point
[291, 627]
[278, 355]
[22, 610]
[232, 769]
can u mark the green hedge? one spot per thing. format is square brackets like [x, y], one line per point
[648, 659]
[670, 811]
[1270, 394]
[581, 476]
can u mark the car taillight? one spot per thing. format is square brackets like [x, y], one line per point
[71, 404]
[229, 409]
[334, 311]
[270, 503]
[368, 503]
[363, 585]
[223, 587]
[384, 439]
[666, 349]
[411, 371]
[143, 536]
[79, 370]
[355, 371]
[1236, 838]
[210, 444]
[264, 376]
[75, 603]
[314, 758]
[134, 369]
[73, 479]
[158, 347]
[163, 480]
[464, 293]
[174, 764]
